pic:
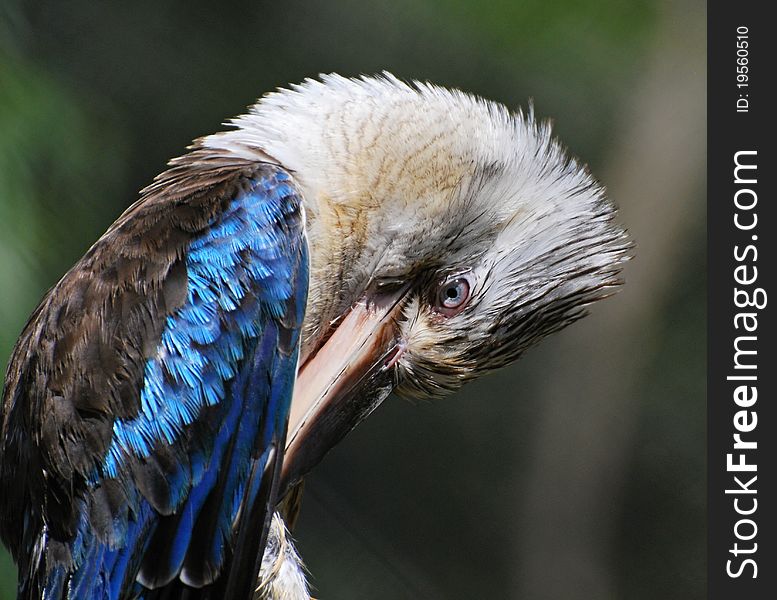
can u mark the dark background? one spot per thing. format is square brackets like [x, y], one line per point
[578, 472]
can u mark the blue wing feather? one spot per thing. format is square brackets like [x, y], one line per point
[213, 406]
[244, 270]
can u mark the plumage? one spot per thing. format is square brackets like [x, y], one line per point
[145, 406]
[148, 395]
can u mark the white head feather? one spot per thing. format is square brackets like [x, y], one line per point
[400, 179]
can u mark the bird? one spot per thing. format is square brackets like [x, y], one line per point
[344, 239]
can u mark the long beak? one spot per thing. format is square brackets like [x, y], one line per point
[342, 383]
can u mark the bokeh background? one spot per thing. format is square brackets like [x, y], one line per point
[578, 472]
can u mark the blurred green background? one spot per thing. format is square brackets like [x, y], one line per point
[578, 472]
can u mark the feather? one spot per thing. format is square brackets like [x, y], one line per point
[150, 388]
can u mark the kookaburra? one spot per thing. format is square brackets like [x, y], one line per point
[344, 239]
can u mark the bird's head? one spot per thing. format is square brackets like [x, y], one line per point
[447, 235]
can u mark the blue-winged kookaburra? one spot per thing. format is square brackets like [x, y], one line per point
[345, 238]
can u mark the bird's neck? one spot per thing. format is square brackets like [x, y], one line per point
[341, 263]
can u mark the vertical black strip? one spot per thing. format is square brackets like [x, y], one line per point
[742, 543]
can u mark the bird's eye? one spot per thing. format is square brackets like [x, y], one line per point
[453, 294]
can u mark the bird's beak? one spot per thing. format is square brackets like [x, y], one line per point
[343, 381]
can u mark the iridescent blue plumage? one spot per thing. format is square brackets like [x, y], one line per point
[216, 342]
[239, 274]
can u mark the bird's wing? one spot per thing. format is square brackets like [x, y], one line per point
[145, 404]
